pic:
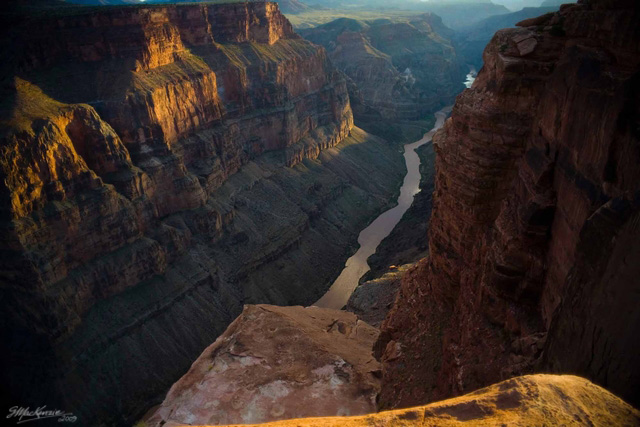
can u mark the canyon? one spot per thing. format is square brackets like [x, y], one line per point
[532, 262]
[397, 69]
[338, 295]
[456, 14]
[162, 163]
[169, 170]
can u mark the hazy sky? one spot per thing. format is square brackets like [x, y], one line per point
[518, 4]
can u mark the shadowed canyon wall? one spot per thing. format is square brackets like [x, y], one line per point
[533, 261]
[162, 166]
[397, 69]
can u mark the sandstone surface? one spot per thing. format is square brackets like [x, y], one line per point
[533, 255]
[278, 363]
[532, 400]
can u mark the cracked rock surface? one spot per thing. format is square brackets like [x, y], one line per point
[277, 363]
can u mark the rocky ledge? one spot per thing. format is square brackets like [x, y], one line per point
[278, 363]
[522, 401]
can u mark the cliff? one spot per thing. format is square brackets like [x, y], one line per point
[398, 69]
[533, 255]
[471, 41]
[161, 166]
[276, 363]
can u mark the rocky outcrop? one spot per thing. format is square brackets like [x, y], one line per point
[163, 163]
[398, 70]
[471, 41]
[531, 262]
[277, 363]
[522, 401]
[372, 299]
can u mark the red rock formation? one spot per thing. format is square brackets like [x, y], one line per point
[124, 203]
[276, 363]
[530, 400]
[168, 116]
[534, 219]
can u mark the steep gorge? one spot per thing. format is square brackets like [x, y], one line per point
[398, 69]
[533, 260]
[162, 163]
[196, 158]
[533, 254]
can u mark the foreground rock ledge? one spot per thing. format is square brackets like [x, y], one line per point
[275, 363]
[533, 400]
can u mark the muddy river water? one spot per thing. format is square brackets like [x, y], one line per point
[369, 238]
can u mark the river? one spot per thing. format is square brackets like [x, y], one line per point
[369, 239]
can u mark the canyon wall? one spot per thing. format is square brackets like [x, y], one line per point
[533, 254]
[161, 166]
[397, 69]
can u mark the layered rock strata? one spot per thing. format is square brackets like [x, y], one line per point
[277, 363]
[533, 261]
[161, 166]
[398, 70]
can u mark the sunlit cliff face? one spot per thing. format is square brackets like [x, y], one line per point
[165, 170]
